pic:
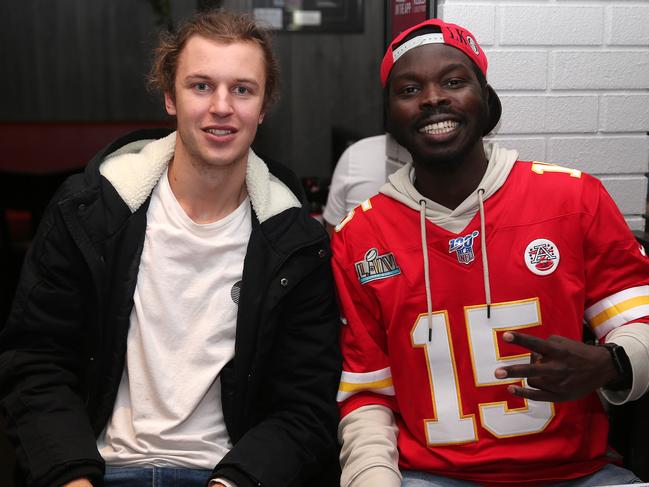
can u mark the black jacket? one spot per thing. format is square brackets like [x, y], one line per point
[62, 350]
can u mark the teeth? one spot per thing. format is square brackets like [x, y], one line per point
[439, 127]
[219, 132]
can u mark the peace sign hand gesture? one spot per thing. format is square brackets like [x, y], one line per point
[560, 369]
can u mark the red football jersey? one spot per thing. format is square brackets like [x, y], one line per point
[558, 250]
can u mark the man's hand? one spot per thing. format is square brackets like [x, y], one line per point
[560, 369]
[83, 482]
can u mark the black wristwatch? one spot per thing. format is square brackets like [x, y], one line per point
[622, 365]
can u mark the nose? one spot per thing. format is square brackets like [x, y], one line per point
[433, 95]
[221, 102]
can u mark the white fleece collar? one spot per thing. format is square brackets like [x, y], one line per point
[400, 187]
[269, 196]
[135, 169]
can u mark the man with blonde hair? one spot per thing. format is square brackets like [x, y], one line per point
[176, 319]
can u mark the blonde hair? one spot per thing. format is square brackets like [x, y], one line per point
[219, 25]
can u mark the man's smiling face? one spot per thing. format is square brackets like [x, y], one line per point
[437, 107]
[218, 100]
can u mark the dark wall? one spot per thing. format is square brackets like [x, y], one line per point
[76, 60]
[328, 80]
[86, 60]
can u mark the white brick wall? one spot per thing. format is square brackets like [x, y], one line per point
[624, 113]
[627, 25]
[545, 23]
[600, 70]
[573, 78]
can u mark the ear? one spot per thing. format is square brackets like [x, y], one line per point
[486, 96]
[261, 117]
[170, 104]
[492, 109]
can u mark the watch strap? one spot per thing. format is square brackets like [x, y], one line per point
[622, 366]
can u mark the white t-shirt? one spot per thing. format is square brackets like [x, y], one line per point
[182, 332]
[360, 172]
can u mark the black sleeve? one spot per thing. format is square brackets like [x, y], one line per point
[42, 362]
[296, 443]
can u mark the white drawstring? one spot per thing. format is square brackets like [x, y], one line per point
[424, 249]
[483, 249]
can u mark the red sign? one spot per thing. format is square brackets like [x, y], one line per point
[406, 13]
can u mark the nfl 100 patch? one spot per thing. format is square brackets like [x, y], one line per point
[376, 266]
[463, 247]
[542, 256]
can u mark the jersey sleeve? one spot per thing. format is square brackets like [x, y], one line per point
[617, 270]
[366, 377]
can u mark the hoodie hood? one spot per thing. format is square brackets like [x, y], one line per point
[400, 186]
[135, 168]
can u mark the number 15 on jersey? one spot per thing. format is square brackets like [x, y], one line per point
[450, 425]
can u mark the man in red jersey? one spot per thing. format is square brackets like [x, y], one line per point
[464, 285]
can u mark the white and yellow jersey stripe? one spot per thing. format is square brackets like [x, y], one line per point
[618, 309]
[377, 381]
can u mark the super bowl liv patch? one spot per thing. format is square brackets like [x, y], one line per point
[463, 247]
[375, 266]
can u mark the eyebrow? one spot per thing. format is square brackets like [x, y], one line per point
[454, 66]
[409, 76]
[197, 76]
[204, 77]
[460, 66]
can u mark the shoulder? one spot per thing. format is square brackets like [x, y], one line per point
[359, 173]
[364, 147]
[361, 159]
[368, 146]
[76, 190]
[275, 195]
[366, 222]
[361, 154]
[280, 173]
[366, 213]
[134, 166]
[552, 174]
[272, 187]
[556, 183]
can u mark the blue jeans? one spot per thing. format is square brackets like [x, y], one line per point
[155, 477]
[609, 475]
